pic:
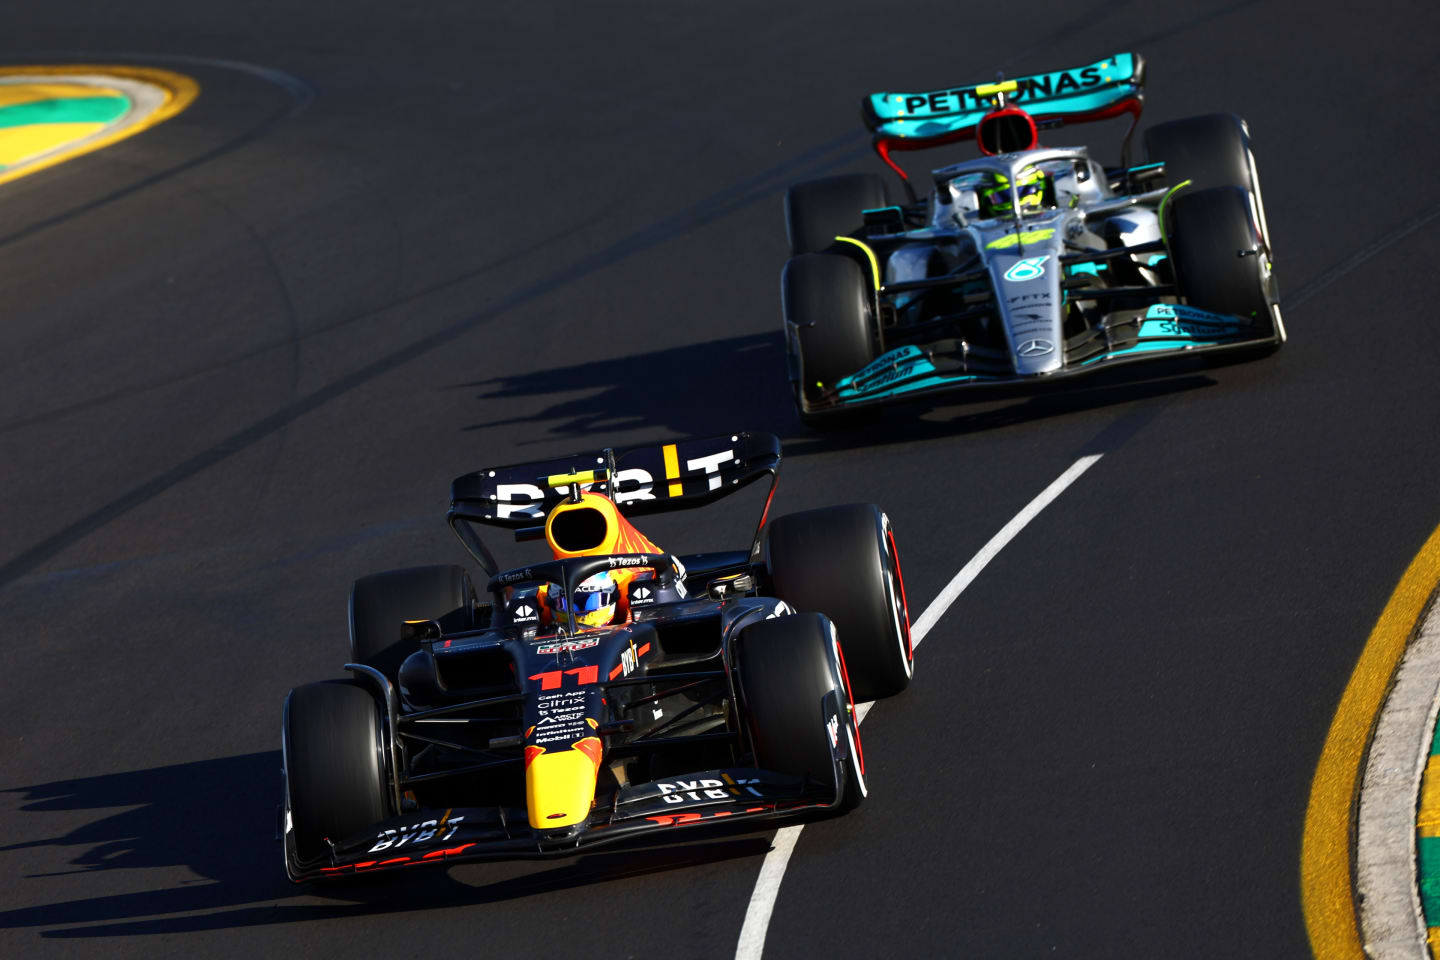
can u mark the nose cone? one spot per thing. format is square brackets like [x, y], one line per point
[560, 786]
[1025, 267]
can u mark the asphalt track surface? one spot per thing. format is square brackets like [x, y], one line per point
[242, 355]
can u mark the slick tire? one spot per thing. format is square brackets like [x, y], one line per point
[381, 602]
[1212, 228]
[841, 561]
[1210, 151]
[335, 773]
[792, 677]
[828, 313]
[818, 211]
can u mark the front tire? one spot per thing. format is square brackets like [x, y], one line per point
[381, 602]
[1212, 229]
[818, 211]
[1210, 151]
[827, 305]
[792, 675]
[335, 772]
[841, 561]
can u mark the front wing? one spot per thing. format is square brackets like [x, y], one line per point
[708, 798]
[1163, 330]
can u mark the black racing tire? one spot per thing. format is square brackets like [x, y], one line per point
[792, 677]
[381, 602]
[818, 211]
[826, 300]
[1210, 151]
[1212, 227]
[841, 561]
[335, 770]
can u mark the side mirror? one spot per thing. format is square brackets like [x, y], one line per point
[419, 631]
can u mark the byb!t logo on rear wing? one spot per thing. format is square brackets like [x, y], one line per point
[646, 479]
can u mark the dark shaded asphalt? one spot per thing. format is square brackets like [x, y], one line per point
[242, 355]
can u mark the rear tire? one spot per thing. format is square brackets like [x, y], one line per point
[841, 561]
[827, 304]
[381, 602]
[818, 211]
[792, 677]
[335, 774]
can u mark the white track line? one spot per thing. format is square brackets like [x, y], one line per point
[772, 871]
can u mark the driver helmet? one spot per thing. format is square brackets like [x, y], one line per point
[595, 599]
[1033, 185]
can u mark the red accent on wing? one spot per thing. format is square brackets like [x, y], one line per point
[765, 514]
[883, 145]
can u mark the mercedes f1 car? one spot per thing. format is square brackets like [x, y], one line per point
[1027, 264]
[614, 691]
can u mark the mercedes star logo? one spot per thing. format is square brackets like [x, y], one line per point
[1035, 348]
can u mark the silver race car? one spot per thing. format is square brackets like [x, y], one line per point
[1029, 263]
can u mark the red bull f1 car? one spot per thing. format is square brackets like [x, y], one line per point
[1029, 264]
[613, 691]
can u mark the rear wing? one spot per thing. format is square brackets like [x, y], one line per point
[654, 478]
[917, 121]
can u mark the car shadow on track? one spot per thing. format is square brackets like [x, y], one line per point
[217, 818]
[739, 383]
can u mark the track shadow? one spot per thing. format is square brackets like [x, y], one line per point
[698, 388]
[216, 817]
[739, 383]
[765, 185]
